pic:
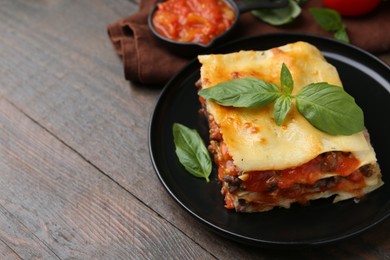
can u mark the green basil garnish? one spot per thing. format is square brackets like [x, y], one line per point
[330, 109]
[278, 16]
[286, 80]
[281, 108]
[341, 34]
[330, 20]
[327, 107]
[191, 151]
[283, 103]
[243, 92]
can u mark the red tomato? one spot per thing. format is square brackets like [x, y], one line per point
[352, 7]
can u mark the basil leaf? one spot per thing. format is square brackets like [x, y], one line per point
[281, 108]
[191, 151]
[342, 35]
[286, 80]
[242, 92]
[328, 19]
[283, 103]
[278, 16]
[330, 109]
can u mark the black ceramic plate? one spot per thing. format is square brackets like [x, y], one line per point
[363, 76]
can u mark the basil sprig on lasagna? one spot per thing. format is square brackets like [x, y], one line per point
[327, 107]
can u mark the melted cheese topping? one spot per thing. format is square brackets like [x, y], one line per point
[251, 135]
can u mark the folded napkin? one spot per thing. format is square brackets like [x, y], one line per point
[146, 61]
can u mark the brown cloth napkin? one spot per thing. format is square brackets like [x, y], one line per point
[146, 61]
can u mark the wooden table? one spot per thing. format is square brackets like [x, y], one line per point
[76, 181]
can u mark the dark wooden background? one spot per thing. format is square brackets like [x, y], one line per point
[76, 181]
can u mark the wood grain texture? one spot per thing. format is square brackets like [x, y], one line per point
[18, 240]
[65, 207]
[7, 253]
[76, 172]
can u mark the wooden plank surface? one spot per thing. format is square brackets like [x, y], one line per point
[76, 177]
[66, 207]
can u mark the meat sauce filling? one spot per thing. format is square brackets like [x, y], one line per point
[289, 183]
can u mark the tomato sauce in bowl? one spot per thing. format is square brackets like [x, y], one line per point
[190, 27]
[196, 21]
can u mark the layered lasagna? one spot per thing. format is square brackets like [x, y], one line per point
[262, 165]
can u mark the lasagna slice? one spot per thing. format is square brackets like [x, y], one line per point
[262, 165]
